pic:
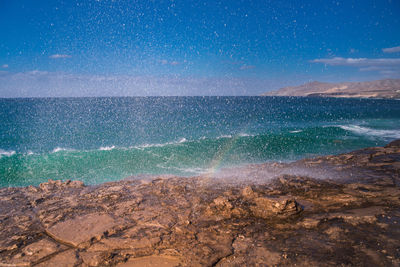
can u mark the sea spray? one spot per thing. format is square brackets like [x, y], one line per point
[105, 139]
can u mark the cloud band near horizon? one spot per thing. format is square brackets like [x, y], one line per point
[387, 67]
[395, 49]
[56, 84]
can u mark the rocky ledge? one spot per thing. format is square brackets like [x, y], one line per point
[348, 214]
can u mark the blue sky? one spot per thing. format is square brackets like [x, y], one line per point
[112, 48]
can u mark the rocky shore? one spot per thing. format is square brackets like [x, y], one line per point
[339, 210]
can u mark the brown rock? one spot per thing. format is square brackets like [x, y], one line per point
[349, 220]
[80, 231]
[220, 208]
[268, 208]
[357, 216]
[114, 243]
[65, 259]
[248, 192]
[92, 258]
[151, 261]
[38, 250]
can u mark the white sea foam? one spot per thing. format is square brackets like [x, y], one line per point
[227, 136]
[296, 131]
[360, 130]
[58, 149]
[180, 141]
[245, 135]
[6, 153]
[107, 148]
[224, 136]
[147, 146]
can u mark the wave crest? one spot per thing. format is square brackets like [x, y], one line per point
[360, 130]
[6, 153]
[180, 141]
[59, 149]
[106, 148]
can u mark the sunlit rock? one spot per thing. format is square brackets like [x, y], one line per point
[292, 220]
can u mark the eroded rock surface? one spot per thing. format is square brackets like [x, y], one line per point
[347, 220]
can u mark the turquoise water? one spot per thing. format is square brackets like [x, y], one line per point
[105, 139]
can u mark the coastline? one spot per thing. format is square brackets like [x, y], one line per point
[325, 211]
[385, 89]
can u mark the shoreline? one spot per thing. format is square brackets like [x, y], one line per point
[325, 211]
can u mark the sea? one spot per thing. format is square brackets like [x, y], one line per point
[96, 140]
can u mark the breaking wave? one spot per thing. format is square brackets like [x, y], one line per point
[6, 153]
[59, 149]
[183, 156]
[361, 130]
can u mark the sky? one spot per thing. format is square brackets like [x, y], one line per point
[184, 47]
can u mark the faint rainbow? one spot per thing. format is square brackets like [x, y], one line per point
[220, 155]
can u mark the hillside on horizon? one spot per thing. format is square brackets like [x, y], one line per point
[388, 88]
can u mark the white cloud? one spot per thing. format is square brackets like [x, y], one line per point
[391, 49]
[4, 66]
[372, 68]
[56, 56]
[358, 62]
[36, 72]
[389, 72]
[387, 67]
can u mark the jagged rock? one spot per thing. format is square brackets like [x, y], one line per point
[220, 207]
[37, 251]
[293, 219]
[268, 208]
[248, 192]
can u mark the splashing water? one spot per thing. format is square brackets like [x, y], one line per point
[104, 139]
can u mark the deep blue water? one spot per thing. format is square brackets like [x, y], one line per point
[105, 139]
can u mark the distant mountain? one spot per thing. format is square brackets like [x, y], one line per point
[389, 88]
